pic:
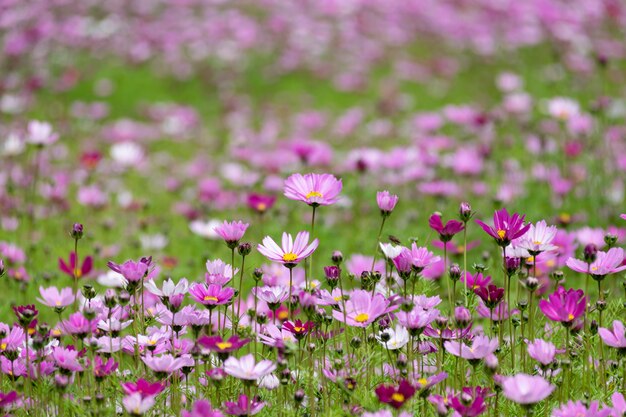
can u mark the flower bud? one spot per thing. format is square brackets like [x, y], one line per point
[610, 240]
[465, 212]
[532, 283]
[257, 274]
[590, 253]
[455, 272]
[337, 258]
[462, 317]
[77, 231]
[89, 292]
[298, 396]
[244, 249]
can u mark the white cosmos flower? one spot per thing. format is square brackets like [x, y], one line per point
[205, 229]
[398, 337]
[127, 153]
[168, 289]
[538, 238]
[390, 251]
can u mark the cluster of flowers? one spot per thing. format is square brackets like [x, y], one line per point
[192, 343]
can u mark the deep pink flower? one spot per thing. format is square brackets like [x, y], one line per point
[578, 409]
[103, 369]
[292, 252]
[8, 399]
[260, 202]
[244, 406]
[299, 329]
[473, 282]
[447, 231]
[66, 359]
[145, 388]
[395, 396]
[313, 189]
[505, 227]
[564, 306]
[526, 389]
[220, 346]
[491, 295]
[470, 402]
[202, 408]
[72, 268]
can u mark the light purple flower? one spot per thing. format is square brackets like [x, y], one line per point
[542, 351]
[616, 337]
[232, 232]
[481, 347]
[52, 297]
[386, 202]
[246, 367]
[606, 263]
[137, 405]
[526, 389]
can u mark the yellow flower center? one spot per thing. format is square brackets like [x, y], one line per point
[530, 259]
[56, 332]
[460, 248]
[3, 346]
[298, 329]
[58, 303]
[594, 268]
[362, 318]
[261, 207]
[570, 317]
[224, 345]
[501, 233]
[282, 315]
[78, 273]
[338, 298]
[422, 381]
[397, 397]
[565, 217]
[290, 257]
[210, 298]
[314, 194]
[537, 242]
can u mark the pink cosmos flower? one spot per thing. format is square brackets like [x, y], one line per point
[526, 389]
[475, 281]
[481, 347]
[66, 359]
[313, 189]
[202, 408]
[615, 337]
[576, 409]
[145, 388]
[246, 368]
[72, 268]
[211, 295]
[166, 364]
[54, 298]
[292, 252]
[131, 270]
[564, 306]
[232, 232]
[168, 289]
[363, 308]
[606, 263]
[244, 406]
[41, 133]
[542, 351]
[136, 405]
[538, 238]
[386, 202]
[505, 227]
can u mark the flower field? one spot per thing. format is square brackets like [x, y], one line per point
[376, 208]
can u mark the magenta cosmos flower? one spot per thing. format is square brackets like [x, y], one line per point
[606, 263]
[202, 408]
[564, 306]
[395, 396]
[313, 189]
[131, 270]
[246, 368]
[231, 232]
[244, 406]
[526, 389]
[363, 308]
[386, 202]
[71, 268]
[292, 251]
[505, 227]
[447, 231]
[616, 337]
[260, 202]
